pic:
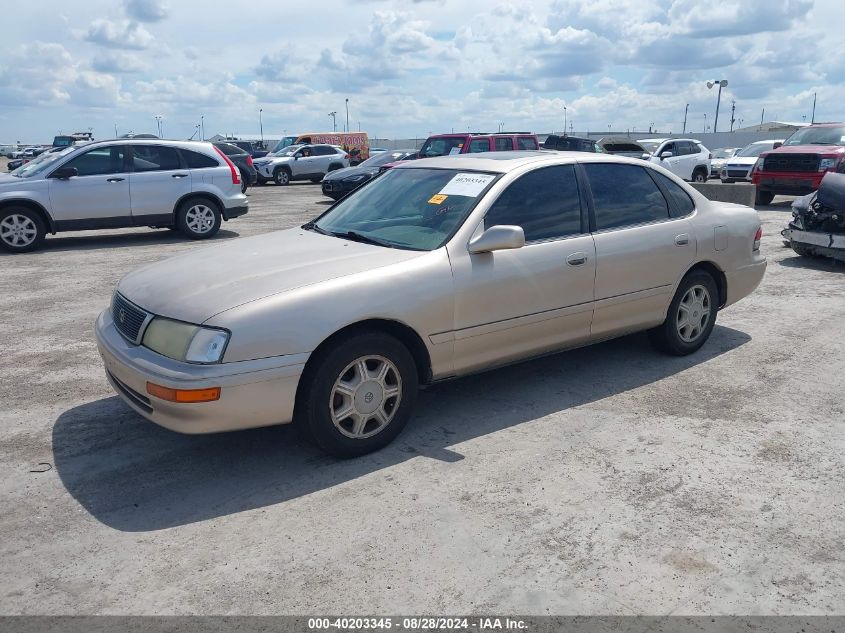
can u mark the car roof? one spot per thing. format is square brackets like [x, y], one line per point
[503, 162]
[150, 141]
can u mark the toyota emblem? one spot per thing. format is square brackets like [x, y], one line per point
[121, 315]
[369, 397]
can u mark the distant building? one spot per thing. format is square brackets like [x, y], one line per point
[785, 128]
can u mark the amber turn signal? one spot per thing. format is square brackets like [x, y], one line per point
[183, 395]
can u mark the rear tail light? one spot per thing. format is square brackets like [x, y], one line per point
[236, 176]
[249, 160]
[757, 237]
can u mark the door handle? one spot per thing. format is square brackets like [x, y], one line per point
[576, 259]
[179, 175]
[114, 179]
[682, 239]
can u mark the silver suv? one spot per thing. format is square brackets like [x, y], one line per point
[300, 162]
[190, 186]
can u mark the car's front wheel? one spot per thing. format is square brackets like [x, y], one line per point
[198, 218]
[281, 176]
[802, 250]
[691, 316]
[699, 175]
[358, 394]
[21, 229]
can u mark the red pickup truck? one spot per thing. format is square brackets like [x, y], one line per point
[797, 167]
[470, 142]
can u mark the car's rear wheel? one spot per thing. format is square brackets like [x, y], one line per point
[699, 175]
[764, 197]
[21, 229]
[198, 218]
[281, 176]
[691, 316]
[359, 394]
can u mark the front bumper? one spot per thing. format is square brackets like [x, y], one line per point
[252, 393]
[788, 184]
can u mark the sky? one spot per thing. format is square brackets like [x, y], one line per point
[413, 67]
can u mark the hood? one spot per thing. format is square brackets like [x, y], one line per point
[272, 159]
[807, 149]
[741, 160]
[8, 178]
[196, 286]
[340, 174]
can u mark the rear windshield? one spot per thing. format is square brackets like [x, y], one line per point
[442, 146]
[755, 149]
[723, 153]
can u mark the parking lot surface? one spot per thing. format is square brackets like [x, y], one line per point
[607, 480]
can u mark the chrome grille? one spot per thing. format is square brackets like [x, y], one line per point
[737, 173]
[128, 318]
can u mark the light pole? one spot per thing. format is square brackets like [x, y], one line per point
[333, 115]
[721, 83]
[115, 130]
[813, 117]
[347, 114]
[202, 127]
[685, 119]
[564, 120]
[261, 125]
[733, 112]
[704, 129]
[158, 119]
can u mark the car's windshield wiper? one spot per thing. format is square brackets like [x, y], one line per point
[365, 239]
[312, 226]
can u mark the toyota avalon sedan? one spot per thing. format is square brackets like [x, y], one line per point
[438, 268]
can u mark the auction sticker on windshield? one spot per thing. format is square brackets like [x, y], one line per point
[469, 185]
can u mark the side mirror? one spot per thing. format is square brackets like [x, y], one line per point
[63, 173]
[776, 145]
[666, 155]
[498, 238]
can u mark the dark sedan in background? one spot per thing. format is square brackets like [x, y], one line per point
[340, 182]
[242, 160]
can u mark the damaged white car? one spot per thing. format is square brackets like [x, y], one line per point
[818, 221]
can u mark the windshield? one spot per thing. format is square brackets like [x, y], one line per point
[755, 149]
[415, 209]
[284, 142]
[723, 153]
[650, 146]
[62, 141]
[39, 164]
[442, 146]
[290, 150]
[385, 157]
[818, 136]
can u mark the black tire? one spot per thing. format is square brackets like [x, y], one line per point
[261, 181]
[198, 218]
[316, 181]
[763, 197]
[802, 250]
[667, 337]
[244, 186]
[21, 229]
[318, 389]
[699, 175]
[335, 167]
[281, 177]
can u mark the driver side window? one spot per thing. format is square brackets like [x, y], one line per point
[99, 161]
[544, 202]
[669, 147]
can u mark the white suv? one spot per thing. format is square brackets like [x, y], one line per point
[687, 158]
[300, 162]
[190, 186]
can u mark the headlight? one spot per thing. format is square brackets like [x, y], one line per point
[827, 163]
[184, 341]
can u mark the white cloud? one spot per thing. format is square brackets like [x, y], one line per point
[146, 10]
[121, 34]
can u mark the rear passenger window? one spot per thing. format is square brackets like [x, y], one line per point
[526, 142]
[624, 195]
[479, 145]
[155, 158]
[195, 160]
[681, 204]
[504, 144]
[544, 202]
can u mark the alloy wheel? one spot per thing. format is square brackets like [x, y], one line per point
[199, 219]
[18, 230]
[365, 397]
[694, 313]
